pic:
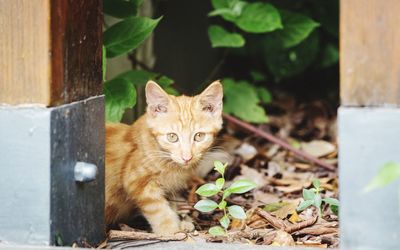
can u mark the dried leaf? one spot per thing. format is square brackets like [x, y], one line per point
[283, 239]
[318, 148]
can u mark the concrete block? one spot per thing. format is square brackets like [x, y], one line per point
[39, 148]
[368, 138]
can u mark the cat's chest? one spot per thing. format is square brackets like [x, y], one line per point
[173, 180]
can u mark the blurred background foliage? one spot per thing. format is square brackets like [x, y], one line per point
[255, 47]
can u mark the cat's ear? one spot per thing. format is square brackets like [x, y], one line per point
[211, 98]
[156, 98]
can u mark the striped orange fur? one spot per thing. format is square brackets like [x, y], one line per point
[144, 163]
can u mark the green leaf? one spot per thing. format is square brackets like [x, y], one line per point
[241, 99]
[58, 239]
[216, 231]
[141, 77]
[305, 204]
[386, 175]
[121, 8]
[257, 76]
[331, 201]
[237, 212]
[259, 17]
[138, 77]
[317, 201]
[285, 63]
[241, 186]
[205, 205]
[229, 10]
[264, 95]
[219, 37]
[297, 27]
[227, 192]
[272, 207]
[128, 34]
[219, 167]
[104, 68]
[207, 190]
[308, 194]
[330, 55]
[120, 95]
[222, 205]
[316, 183]
[220, 183]
[225, 221]
[334, 209]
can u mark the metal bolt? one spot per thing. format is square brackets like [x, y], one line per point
[85, 172]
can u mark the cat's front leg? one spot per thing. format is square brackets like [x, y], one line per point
[157, 210]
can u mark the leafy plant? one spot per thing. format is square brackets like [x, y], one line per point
[121, 39]
[281, 35]
[211, 189]
[243, 100]
[312, 197]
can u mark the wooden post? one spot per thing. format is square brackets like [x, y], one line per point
[50, 51]
[369, 121]
[52, 123]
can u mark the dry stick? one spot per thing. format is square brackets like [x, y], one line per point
[275, 222]
[298, 226]
[278, 141]
[132, 235]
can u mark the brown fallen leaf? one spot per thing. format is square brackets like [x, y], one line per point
[282, 238]
[301, 225]
[317, 230]
[262, 198]
[294, 218]
[252, 174]
[318, 148]
[281, 209]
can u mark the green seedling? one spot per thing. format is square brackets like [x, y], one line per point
[217, 188]
[312, 197]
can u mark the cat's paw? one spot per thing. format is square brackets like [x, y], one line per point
[187, 226]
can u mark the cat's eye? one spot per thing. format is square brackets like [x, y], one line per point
[199, 136]
[172, 137]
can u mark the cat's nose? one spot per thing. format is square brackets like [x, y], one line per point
[187, 158]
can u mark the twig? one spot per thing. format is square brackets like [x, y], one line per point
[301, 225]
[278, 141]
[275, 222]
[133, 235]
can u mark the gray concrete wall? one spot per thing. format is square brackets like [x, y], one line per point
[25, 174]
[368, 138]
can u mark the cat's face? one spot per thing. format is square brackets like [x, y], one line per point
[184, 127]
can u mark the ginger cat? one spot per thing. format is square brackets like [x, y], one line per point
[154, 157]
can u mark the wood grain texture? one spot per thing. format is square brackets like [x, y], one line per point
[24, 51]
[76, 41]
[370, 52]
[50, 51]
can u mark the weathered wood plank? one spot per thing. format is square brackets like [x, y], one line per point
[24, 51]
[50, 51]
[76, 41]
[370, 52]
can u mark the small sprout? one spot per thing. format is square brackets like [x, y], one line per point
[312, 197]
[210, 189]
